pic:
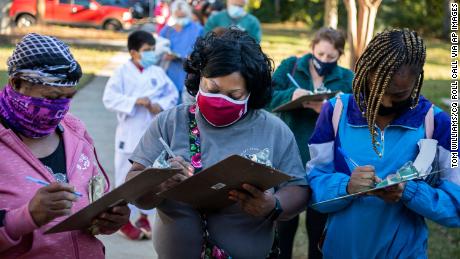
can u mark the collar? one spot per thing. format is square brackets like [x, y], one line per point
[303, 64]
[411, 119]
[139, 67]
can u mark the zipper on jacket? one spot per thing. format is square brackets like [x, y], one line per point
[75, 245]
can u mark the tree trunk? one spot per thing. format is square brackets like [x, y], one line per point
[360, 25]
[41, 9]
[352, 30]
[331, 13]
[277, 8]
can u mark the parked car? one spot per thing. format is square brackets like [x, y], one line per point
[92, 13]
[140, 8]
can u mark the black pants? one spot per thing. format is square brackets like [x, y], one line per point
[315, 223]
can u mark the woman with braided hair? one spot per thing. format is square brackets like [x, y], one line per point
[363, 138]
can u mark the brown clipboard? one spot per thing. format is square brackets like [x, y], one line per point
[208, 190]
[127, 192]
[298, 103]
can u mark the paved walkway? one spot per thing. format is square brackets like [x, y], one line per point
[87, 105]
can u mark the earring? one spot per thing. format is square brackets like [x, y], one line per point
[414, 99]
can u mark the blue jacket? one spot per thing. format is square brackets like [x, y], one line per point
[367, 226]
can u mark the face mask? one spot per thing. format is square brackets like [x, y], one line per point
[220, 110]
[323, 68]
[31, 116]
[396, 108]
[236, 11]
[148, 58]
[183, 21]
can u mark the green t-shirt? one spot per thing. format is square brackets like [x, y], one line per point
[248, 23]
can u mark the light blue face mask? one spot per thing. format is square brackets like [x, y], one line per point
[148, 58]
[236, 11]
[183, 21]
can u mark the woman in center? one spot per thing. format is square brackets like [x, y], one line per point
[231, 79]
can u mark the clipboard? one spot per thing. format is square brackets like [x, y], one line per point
[127, 192]
[373, 189]
[298, 103]
[208, 190]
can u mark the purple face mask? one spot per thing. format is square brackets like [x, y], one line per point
[31, 116]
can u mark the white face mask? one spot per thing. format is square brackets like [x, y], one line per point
[236, 11]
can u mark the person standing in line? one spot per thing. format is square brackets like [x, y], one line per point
[40, 142]
[235, 15]
[314, 72]
[182, 33]
[137, 91]
[366, 137]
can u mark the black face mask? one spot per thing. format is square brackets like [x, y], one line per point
[396, 108]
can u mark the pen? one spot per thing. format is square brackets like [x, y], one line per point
[293, 80]
[347, 157]
[370, 190]
[167, 148]
[46, 184]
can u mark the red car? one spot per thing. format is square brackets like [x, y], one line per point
[93, 13]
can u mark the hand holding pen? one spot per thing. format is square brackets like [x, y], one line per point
[176, 162]
[362, 178]
[52, 201]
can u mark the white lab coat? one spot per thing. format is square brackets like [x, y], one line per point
[125, 86]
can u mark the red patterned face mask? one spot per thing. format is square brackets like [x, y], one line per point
[220, 110]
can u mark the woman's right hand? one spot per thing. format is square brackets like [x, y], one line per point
[186, 171]
[299, 93]
[363, 178]
[50, 202]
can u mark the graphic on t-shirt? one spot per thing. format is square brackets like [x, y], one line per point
[258, 156]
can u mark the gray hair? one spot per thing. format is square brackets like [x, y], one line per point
[183, 6]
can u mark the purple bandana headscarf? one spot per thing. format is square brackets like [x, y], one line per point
[31, 116]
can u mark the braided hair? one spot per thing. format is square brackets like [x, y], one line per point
[383, 57]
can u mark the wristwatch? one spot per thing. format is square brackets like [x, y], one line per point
[276, 212]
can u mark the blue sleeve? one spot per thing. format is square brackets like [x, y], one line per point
[324, 181]
[442, 128]
[441, 204]
[163, 32]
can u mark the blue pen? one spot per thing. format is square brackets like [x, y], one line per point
[46, 184]
[293, 80]
[347, 157]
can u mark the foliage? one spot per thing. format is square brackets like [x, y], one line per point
[424, 16]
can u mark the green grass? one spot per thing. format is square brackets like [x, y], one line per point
[280, 41]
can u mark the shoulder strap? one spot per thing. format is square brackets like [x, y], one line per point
[429, 123]
[337, 114]
[194, 140]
